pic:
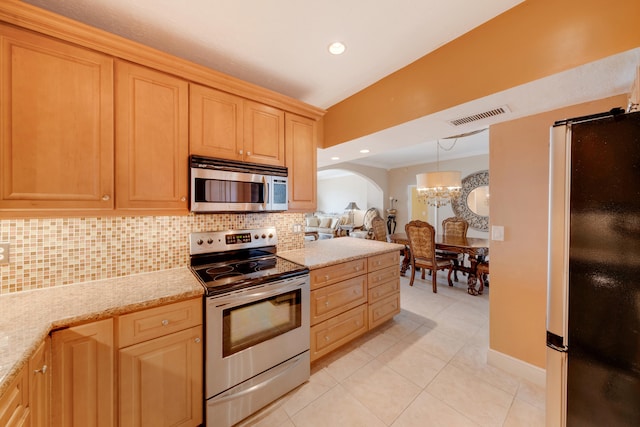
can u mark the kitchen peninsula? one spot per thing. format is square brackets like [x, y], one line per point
[355, 287]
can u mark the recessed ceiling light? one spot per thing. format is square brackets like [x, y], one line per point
[364, 150]
[335, 158]
[337, 48]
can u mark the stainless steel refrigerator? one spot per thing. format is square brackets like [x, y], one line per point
[593, 295]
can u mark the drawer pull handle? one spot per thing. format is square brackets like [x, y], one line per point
[42, 370]
[197, 340]
[326, 278]
[165, 322]
[326, 338]
[326, 304]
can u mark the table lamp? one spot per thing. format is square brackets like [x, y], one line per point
[351, 207]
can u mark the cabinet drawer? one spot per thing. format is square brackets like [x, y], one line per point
[378, 262]
[155, 322]
[335, 273]
[14, 403]
[329, 335]
[383, 310]
[334, 299]
[378, 277]
[384, 290]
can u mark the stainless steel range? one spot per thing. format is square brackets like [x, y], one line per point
[257, 321]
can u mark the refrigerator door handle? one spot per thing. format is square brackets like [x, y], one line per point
[558, 253]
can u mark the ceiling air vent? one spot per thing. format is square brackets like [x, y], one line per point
[484, 115]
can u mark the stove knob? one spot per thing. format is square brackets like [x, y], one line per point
[270, 235]
[264, 236]
[199, 241]
[210, 241]
[256, 237]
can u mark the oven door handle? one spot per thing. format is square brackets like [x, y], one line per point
[284, 368]
[250, 295]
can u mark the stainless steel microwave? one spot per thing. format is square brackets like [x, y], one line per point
[220, 185]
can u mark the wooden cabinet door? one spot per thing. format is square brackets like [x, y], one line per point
[216, 123]
[40, 385]
[263, 134]
[83, 376]
[301, 146]
[56, 120]
[152, 139]
[14, 402]
[161, 381]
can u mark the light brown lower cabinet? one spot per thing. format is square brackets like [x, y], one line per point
[40, 385]
[83, 372]
[161, 381]
[161, 366]
[350, 298]
[14, 403]
[157, 380]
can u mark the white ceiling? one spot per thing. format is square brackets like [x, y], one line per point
[282, 45]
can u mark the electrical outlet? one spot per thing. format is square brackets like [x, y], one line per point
[4, 253]
[297, 228]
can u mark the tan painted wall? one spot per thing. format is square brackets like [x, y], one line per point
[535, 39]
[519, 159]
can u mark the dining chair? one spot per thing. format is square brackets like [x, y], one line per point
[422, 245]
[378, 230]
[482, 271]
[456, 227]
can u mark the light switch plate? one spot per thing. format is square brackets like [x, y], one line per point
[4, 253]
[497, 232]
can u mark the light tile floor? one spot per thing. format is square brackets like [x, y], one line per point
[426, 367]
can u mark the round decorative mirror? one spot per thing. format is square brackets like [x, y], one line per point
[473, 202]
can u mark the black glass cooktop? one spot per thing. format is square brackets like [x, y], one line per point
[230, 275]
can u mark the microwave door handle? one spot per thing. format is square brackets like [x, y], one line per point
[265, 191]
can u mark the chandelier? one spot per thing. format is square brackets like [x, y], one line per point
[438, 188]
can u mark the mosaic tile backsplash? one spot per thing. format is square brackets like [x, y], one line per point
[59, 251]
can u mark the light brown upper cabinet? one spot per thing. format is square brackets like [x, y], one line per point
[216, 123]
[301, 142]
[56, 138]
[152, 139]
[227, 126]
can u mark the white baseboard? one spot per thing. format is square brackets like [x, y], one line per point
[517, 367]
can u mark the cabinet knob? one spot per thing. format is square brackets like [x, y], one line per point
[248, 153]
[42, 370]
[326, 304]
[326, 278]
[197, 340]
[183, 199]
[240, 152]
[106, 197]
[326, 338]
[165, 322]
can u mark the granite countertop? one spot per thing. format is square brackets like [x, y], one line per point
[322, 253]
[26, 318]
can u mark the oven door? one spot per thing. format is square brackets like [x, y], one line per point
[253, 330]
[226, 191]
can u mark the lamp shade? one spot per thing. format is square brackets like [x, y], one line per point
[444, 179]
[352, 207]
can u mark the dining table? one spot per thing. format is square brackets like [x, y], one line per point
[476, 249]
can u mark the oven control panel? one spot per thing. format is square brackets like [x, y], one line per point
[226, 240]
